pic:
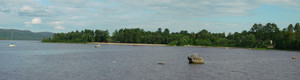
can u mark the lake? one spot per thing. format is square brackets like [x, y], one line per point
[33, 60]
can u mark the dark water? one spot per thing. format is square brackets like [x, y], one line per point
[32, 60]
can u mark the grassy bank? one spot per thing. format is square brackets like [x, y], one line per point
[264, 49]
[274, 49]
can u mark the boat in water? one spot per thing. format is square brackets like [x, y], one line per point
[12, 44]
[97, 45]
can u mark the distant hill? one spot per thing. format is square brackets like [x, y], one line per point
[5, 34]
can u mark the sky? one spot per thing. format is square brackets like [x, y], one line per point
[191, 15]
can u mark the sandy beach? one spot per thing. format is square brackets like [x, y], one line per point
[140, 44]
[133, 44]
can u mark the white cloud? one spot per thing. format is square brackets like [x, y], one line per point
[75, 17]
[28, 24]
[36, 20]
[26, 8]
[30, 11]
[59, 27]
[56, 24]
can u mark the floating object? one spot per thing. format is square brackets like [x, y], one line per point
[161, 63]
[195, 59]
[12, 44]
[294, 57]
[97, 45]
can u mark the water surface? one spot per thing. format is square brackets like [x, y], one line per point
[32, 60]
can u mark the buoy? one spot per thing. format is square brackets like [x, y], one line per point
[294, 57]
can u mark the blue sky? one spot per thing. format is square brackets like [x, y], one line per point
[192, 15]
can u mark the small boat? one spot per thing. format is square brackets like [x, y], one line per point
[12, 44]
[97, 45]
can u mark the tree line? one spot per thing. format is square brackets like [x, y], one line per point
[259, 36]
[79, 37]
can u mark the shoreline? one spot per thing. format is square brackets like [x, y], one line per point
[143, 44]
[130, 44]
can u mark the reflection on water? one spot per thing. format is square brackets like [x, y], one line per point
[33, 60]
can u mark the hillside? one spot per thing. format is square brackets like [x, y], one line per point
[5, 34]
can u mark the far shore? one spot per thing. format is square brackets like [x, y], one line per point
[142, 44]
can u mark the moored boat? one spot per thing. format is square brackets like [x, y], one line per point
[12, 44]
[97, 45]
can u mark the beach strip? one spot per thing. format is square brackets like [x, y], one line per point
[132, 44]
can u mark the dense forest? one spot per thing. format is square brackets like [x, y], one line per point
[259, 36]
[80, 37]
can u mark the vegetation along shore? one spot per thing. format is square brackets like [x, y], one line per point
[258, 36]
